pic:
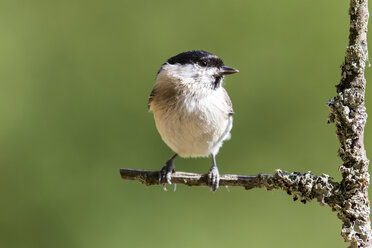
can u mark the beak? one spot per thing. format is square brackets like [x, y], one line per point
[228, 70]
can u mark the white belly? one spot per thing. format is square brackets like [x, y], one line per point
[193, 129]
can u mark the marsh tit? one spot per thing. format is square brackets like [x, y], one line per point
[192, 111]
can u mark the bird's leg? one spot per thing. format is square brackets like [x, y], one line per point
[166, 171]
[213, 175]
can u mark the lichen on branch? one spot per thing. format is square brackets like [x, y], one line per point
[348, 112]
[305, 187]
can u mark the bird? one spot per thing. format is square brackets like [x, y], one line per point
[193, 112]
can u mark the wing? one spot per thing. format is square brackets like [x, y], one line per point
[150, 98]
[230, 112]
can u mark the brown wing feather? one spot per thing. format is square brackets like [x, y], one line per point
[152, 94]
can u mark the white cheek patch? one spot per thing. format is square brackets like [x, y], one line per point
[183, 72]
[191, 73]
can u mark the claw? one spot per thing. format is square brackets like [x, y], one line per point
[165, 174]
[214, 175]
[165, 187]
[169, 177]
[214, 178]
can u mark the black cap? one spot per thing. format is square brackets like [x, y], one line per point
[200, 57]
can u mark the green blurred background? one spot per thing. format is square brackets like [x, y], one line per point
[75, 77]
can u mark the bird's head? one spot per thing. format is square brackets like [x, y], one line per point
[195, 69]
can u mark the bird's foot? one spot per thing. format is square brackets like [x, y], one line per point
[165, 173]
[213, 178]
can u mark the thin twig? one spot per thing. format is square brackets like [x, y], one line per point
[194, 179]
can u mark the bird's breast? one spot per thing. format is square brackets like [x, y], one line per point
[192, 125]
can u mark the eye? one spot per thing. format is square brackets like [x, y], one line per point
[203, 63]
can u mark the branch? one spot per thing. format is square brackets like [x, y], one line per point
[303, 186]
[194, 179]
[348, 112]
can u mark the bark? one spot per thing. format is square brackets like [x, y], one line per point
[305, 187]
[348, 112]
